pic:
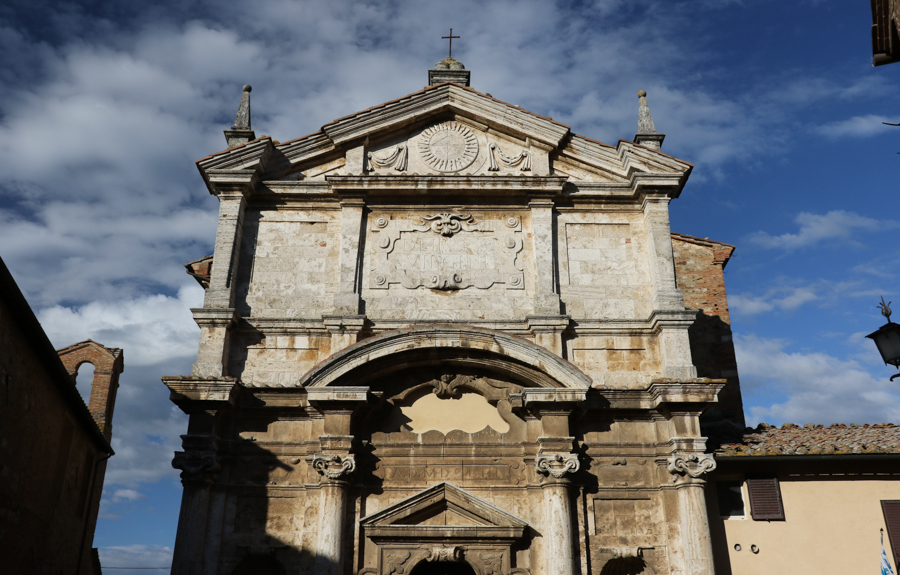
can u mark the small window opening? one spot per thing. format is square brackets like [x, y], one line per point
[731, 498]
[83, 381]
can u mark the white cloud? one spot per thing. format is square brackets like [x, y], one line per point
[810, 387]
[857, 127]
[127, 495]
[782, 299]
[135, 556]
[817, 228]
[150, 329]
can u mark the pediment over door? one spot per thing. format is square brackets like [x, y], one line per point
[443, 512]
[444, 524]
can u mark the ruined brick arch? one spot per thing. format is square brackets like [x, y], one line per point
[478, 348]
[108, 363]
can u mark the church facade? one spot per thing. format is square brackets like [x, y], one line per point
[448, 335]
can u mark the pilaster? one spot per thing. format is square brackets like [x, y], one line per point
[347, 300]
[344, 329]
[546, 297]
[688, 471]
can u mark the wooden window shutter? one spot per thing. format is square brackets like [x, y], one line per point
[891, 511]
[765, 499]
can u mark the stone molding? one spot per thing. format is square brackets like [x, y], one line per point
[558, 465]
[427, 339]
[687, 466]
[334, 466]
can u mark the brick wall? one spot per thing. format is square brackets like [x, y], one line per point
[52, 454]
[700, 272]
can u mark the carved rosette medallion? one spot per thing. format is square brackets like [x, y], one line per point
[334, 466]
[557, 464]
[448, 147]
[687, 466]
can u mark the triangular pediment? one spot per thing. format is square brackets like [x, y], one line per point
[449, 130]
[446, 508]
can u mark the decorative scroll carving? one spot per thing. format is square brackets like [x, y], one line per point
[196, 467]
[445, 554]
[447, 224]
[492, 561]
[523, 160]
[693, 465]
[397, 159]
[448, 147]
[427, 251]
[395, 561]
[448, 385]
[334, 466]
[557, 464]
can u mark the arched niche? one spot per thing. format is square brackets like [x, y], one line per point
[403, 366]
[491, 353]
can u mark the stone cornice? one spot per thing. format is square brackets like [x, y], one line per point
[659, 393]
[475, 186]
[200, 394]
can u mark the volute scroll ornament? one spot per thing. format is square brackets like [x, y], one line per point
[691, 465]
[557, 464]
[334, 466]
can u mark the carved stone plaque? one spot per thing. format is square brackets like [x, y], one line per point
[445, 251]
[448, 147]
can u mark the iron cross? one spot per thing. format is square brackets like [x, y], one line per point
[450, 37]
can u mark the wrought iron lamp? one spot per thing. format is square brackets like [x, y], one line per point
[887, 339]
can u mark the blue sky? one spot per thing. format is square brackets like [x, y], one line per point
[104, 106]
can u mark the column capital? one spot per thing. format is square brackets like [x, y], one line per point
[334, 466]
[557, 465]
[687, 468]
[197, 467]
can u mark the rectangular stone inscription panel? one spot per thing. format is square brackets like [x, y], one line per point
[445, 251]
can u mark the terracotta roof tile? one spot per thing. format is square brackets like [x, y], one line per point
[837, 439]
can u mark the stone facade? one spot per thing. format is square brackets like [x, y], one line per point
[53, 448]
[445, 334]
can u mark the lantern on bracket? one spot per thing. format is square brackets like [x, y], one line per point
[887, 339]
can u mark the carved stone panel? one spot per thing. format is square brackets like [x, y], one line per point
[445, 251]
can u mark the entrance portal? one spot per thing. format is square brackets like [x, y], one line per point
[443, 568]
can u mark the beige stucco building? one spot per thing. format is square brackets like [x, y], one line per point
[446, 334]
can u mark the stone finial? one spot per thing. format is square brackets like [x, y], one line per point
[647, 134]
[240, 132]
[449, 70]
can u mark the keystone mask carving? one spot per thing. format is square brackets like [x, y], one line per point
[693, 465]
[334, 466]
[557, 464]
[448, 224]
